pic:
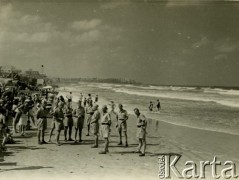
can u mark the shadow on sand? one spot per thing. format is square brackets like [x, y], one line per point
[25, 168]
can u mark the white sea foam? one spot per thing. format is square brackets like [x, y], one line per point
[182, 96]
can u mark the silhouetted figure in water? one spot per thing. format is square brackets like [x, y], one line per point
[151, 106]
[158, 105]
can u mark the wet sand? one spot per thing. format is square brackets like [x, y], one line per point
[74, 161]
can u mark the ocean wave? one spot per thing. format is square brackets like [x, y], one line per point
[181, 96]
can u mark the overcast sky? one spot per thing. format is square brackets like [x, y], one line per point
[168, 42]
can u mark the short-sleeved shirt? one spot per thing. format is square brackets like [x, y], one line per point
[68, 112]
[96, 116]
[89, 110]
[79, 112]
[141, 118]
[122, 115]
[42, 113]
[105, 118]
[58, 114]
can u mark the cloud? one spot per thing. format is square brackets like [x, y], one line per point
[34, 40]
[221, 57]
[227, 46]
[85, 24]
[204, 41]
[114, 4]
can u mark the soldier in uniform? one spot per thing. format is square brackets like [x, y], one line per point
[141, 131]
[41, 116]
[122, 117]
[105, 128]
[68, 121]
[58, 116]
[89, 113]
[95, 124]
[3, 128]
[79, 114]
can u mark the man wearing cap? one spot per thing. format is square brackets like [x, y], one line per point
[58, 116]
[122, 117]
[95, 124]
[41, 116]
[105, 128]
[141, 131]
[79, 113]
[89, 113]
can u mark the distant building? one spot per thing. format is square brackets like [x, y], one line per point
[9, 71]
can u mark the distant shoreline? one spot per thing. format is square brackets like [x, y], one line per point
[148, 85]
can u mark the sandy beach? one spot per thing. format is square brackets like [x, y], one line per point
[75, 161]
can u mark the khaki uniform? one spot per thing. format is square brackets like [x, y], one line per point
[89, 113]
[122, 117]
[58, 119]
[41, 119]
[68, 120]
[141, 126]
[105, 125]
[95, 122]
[79, 113]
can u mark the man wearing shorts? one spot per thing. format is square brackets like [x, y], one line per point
[3, 128]
[105, 128]
[58, 116]
[122, 117]
[141, 131]
[53, 120]
[41, 116]
[68, 121]
[79, 114]
[89, 113]
[95, 124]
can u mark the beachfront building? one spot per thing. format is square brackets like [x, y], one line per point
[9, 71]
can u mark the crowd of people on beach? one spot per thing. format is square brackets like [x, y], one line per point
[19, 111]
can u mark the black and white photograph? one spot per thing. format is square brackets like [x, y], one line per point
[119, 89]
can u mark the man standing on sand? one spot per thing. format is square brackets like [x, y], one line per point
[41, 116]
[95, 124]
[53, 120]
[141, 131]
[58, 120]
[122, 117]
[79, 113]
[89, 113]
[105, 128]
[68, 121]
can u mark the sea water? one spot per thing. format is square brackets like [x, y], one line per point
[201, 108]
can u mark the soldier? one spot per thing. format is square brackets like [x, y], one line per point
[68, 121]
[105, 128]
[53, 120]
[41, 116]
[122, 117]
[141, 131]
[79, 113]
[95, 124]
[58, 116]
[89, 113]
[3, 128]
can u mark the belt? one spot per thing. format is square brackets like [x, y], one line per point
[105, 124]
[122, 119]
